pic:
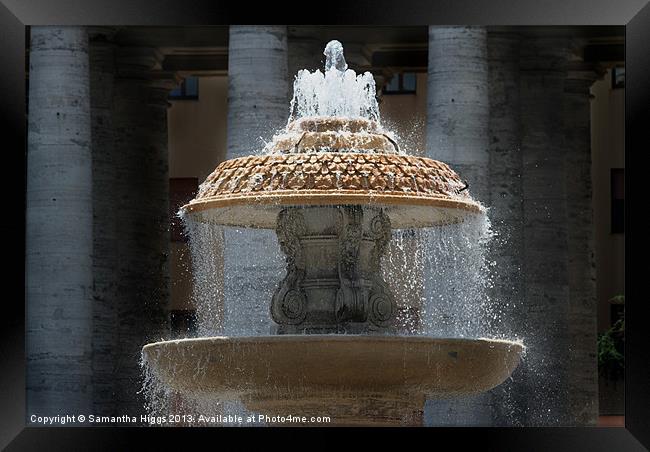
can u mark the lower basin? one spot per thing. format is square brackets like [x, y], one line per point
[355, 378]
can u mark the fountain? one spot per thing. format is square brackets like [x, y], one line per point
[333, 185]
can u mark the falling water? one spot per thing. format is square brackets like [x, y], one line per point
[442, 279]
[206, 247]
[252, 283]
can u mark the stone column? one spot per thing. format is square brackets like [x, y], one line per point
[257, 108]
[142, 190]
[506, 213]
[457, 133]
[458, 104]
[582, 317]
[542, 81]
[59, 224]
[105, 259]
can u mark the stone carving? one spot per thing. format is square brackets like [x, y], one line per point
[381, 303]
[322, 172]
[333, 142]
[363, 295]
[335, 161]
[352, 296]
[289, 303]
[308, 298]
[333, 123]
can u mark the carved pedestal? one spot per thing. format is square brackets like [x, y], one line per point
[333, 282]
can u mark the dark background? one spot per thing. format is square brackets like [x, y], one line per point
[15, 14]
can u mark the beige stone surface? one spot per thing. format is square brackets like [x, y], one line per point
[359, 379]
[325, 161]
[332, 123]
[417, 191]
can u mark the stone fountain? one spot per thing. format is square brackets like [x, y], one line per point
[333, 185]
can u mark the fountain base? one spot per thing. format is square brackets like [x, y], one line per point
[354, 379]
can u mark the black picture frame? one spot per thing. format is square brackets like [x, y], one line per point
[16, 14]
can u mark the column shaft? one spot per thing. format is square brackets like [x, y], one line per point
[142, 188]
[257, 108]
[506, 213]
[583, 370]
[105, 258]
[458, 105]
[543, 73]
[59, 231]
[457, 133]
[257, 87]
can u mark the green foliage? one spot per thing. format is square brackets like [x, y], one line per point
[611, 346]
[618, 299]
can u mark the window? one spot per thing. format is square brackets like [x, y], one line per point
[618, 77]
[187, 90]
[181, 191]
[402, 83]
[618, 200]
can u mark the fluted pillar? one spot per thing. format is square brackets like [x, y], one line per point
[59, 224]
[546, 294]
[457, 133]
[257, 108]
[506, 213]
[582, 317]
[142, 190]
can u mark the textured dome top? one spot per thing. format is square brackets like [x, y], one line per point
[332, 161]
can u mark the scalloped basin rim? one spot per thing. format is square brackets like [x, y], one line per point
[261, 210]
[327, 366]
[416, 191]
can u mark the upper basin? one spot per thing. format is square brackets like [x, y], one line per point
[332, 161]
[250, 191]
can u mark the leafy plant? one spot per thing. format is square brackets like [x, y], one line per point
[611, 347]
[618, 299]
